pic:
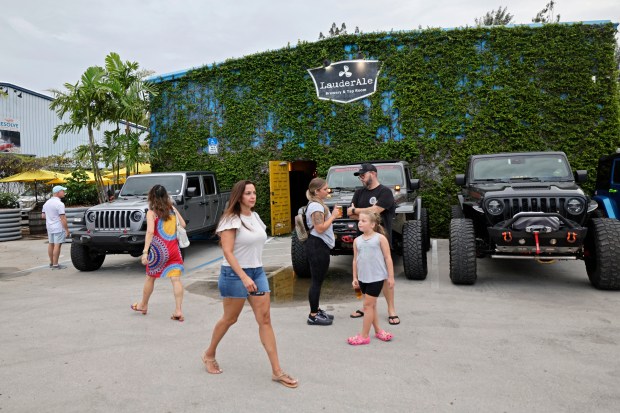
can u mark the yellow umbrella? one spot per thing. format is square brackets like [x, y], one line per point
[40, 175]
[143, 168]
[62, 178]
[32, 176]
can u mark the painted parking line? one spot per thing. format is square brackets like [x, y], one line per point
[435, 266]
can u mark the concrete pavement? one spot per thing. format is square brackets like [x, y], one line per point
[526, 337]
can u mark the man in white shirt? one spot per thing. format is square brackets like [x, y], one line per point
[56, 223]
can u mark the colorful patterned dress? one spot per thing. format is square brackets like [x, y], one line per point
[165, 258]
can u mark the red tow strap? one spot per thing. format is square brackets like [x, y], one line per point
[537, 243]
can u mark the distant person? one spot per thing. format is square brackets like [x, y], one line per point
[377, 198]
[111, 196]
[161, 253]
[242, 278]
[373, 271]
[56, 223]
[318, 245]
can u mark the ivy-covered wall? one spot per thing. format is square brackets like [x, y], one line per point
[442, 95]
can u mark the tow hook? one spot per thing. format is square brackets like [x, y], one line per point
[507, 236]
[347, 238]
[571, 237]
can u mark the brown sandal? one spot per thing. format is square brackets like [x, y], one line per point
[285, 380]
[213, 362]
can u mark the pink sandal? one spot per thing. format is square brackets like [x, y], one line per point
[384, 335]
[358, 340]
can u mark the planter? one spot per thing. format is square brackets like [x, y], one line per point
[10, 224]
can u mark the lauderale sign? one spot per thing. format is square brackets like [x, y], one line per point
[346, 81]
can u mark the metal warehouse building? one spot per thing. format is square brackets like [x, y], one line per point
[27, 124]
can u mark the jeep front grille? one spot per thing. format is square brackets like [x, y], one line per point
[112, 220]
[533, 204]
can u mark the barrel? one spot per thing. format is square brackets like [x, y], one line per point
[10, 224]
[36, 223]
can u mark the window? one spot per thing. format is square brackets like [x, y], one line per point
[209, 184]
[194, 182]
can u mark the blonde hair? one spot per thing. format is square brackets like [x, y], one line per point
[376, 220]
[315, 185]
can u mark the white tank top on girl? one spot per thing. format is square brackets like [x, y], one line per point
[249, 239]
[370, 261]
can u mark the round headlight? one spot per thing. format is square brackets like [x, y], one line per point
[90, 216]
[495, 207]
[575, 206]
[136, 216]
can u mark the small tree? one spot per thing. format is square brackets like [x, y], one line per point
[546, 14]
[500, 17]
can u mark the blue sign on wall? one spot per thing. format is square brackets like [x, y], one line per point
[212, 141]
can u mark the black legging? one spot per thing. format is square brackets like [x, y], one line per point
[318, 258]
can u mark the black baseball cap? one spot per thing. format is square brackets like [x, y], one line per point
[366, 167]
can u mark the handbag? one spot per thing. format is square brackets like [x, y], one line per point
[182, 236]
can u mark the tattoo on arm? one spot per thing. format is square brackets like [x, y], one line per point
[318, 218]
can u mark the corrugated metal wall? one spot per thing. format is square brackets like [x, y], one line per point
[30, 110]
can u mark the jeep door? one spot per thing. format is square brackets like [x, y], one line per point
[195, 206]
[212, 200]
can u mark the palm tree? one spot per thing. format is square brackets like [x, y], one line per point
[87, 103]
[131, 94]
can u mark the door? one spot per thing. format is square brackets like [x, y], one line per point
[279, 197]
[195, 207]
[212, 199]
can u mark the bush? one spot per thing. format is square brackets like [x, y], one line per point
[79, 192]
[8, 200]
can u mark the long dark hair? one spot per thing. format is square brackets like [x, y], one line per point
[234, 203]
[160, 202]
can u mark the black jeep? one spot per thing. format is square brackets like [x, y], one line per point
[529, 206]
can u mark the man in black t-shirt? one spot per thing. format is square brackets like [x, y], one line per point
[379, 199]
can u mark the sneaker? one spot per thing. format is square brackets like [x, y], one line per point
[324, 314]
[59, 267]
[319, 320]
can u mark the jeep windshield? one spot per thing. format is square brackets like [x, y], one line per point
[140, 185]
[342, 178]
[522, 168]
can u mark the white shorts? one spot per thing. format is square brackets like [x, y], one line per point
[56, 237]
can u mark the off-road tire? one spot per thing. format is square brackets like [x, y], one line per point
[603, 253]
[301, 266]
[426, 229]
[457, 212]
[414, 255]
[462, 251]
[83, 259]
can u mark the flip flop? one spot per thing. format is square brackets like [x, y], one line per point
[177, 318]
[357, 314]
[285, 380]
[392, 318]
[134, 307]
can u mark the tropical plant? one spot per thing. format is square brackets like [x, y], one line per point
[8, 200]
[131, 100]
[546, 14]
[87, 103]
[79, 191]
[501, 17]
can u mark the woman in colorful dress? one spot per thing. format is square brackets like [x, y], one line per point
[161, 253]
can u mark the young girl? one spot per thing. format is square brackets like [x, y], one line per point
[372, 266]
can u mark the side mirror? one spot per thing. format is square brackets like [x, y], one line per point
[190, 192]
[460, 179]
[581, 175]
[116, 193]
[414, 184]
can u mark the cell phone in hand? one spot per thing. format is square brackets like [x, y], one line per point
[257, 293]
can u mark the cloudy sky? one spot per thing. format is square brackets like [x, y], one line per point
[46, 44]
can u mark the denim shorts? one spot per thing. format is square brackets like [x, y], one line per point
[231, 286]
[56, 237]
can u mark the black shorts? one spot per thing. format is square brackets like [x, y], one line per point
[372, 289]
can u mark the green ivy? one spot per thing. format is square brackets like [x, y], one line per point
[442, 95]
